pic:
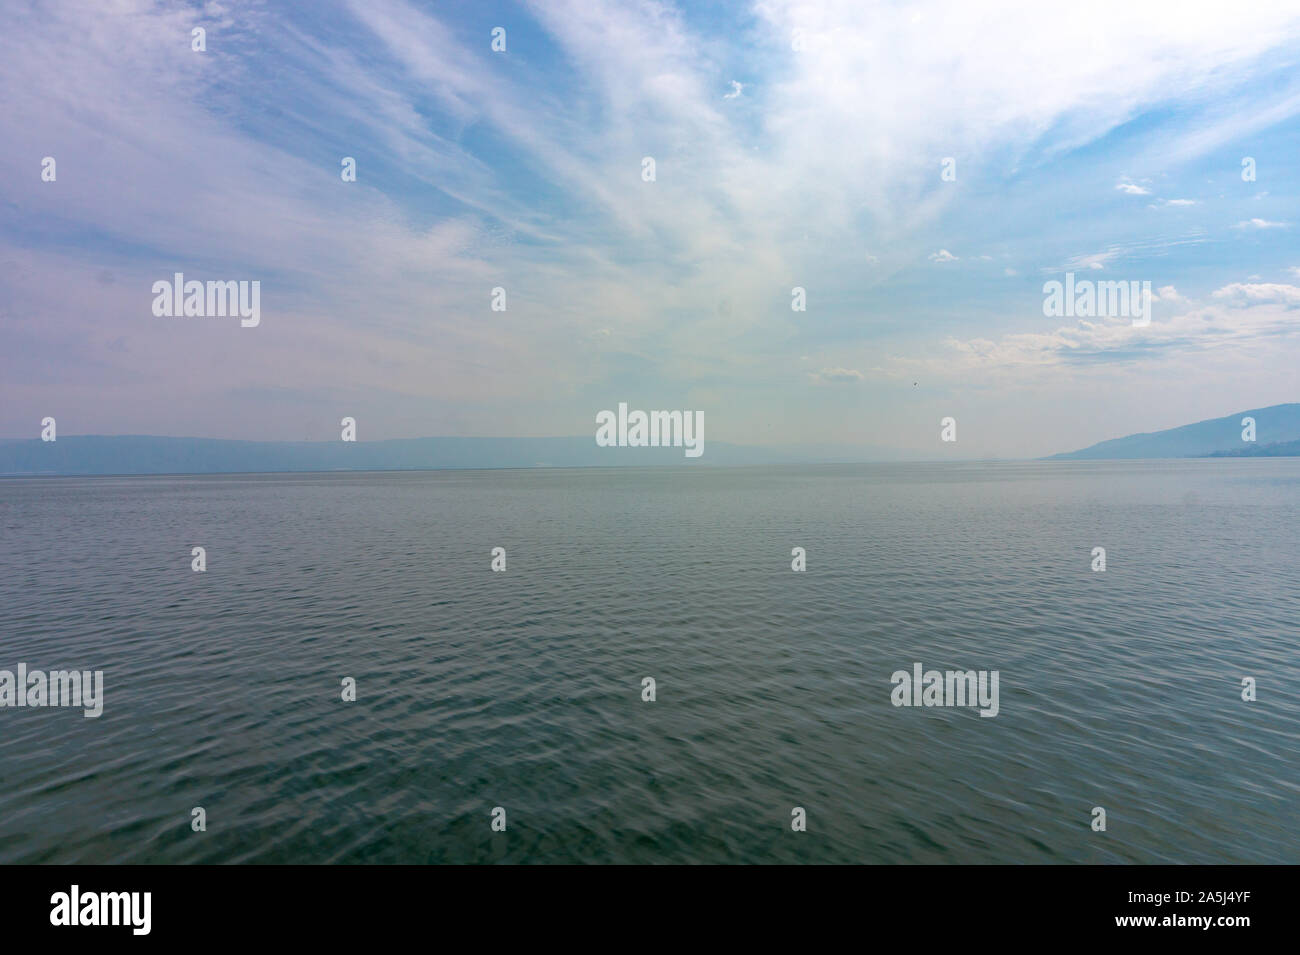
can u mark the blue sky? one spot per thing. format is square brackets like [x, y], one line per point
[1107, 141]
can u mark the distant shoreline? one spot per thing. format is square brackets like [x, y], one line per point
[54, 475]
[1272, 432]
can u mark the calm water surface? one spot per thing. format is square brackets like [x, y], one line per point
[523, 689]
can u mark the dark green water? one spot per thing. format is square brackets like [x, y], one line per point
[523, 689]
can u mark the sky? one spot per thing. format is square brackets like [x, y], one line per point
[920, 170]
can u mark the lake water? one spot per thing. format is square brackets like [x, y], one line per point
[523, 689]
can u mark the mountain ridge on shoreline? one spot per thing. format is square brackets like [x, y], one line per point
[1276, 432]
[1213, 437]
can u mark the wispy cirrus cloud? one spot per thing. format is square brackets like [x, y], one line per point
[523, 170]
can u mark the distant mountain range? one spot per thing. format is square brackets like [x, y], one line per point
[145, 454]
[1277, 432]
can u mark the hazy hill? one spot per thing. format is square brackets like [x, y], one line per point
[1218, 436]
[143, 454]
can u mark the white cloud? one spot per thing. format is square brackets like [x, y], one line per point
[736, 90]
[837, 375]
[943, 255]
[1261, 224]
[1132, 189]
[1246, 327]
[1245, 295]
[1099, 342]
